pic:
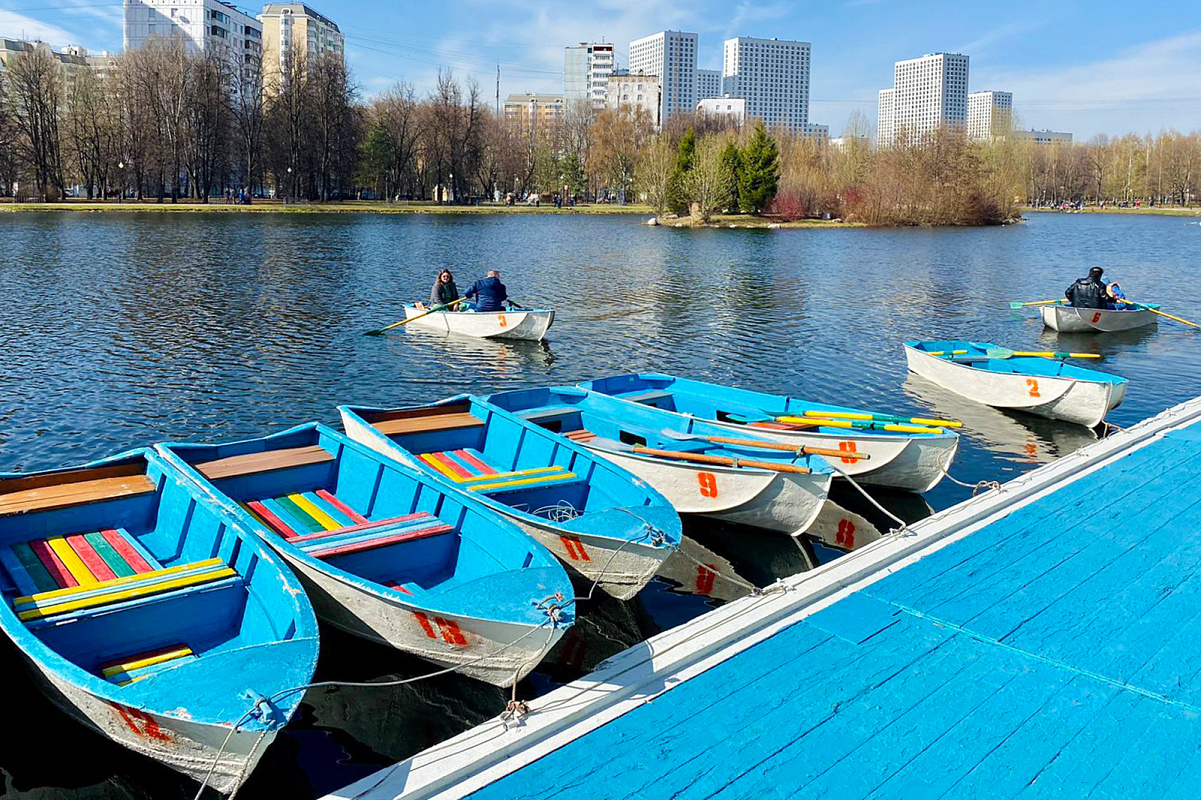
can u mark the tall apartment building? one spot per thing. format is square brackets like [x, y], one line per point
[530, 113]
[772, 75]
[708, 83]
[730, 107]
[640, 92]
[886, 132]
[586, 71]
[208, 26]
[672, 56]
[295, 28]
[927, 93]
[989, 114]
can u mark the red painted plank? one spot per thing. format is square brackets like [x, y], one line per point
[338, 504]
[274, 522]
[53, 564]
[450, 464]
[383, 541]
[132, 557]
[366, 526]
[475, 462]
[91, 559]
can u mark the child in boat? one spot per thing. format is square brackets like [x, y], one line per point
[1117, 298]
[444, 290]
[489, 292]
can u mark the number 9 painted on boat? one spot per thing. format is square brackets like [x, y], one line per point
[708, 483]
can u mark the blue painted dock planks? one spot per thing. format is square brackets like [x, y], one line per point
[1051, 653]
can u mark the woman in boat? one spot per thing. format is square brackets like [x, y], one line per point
[444, 290]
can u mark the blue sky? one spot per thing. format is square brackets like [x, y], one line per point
[1085, 67]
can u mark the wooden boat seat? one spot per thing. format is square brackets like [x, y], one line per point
[61, 562]
[49, 491]
[99, 595]
[468, 468]
[268, 461]
[130, 669]
[646, 398]
[539, 414]
[545, 477]
[421, 420]
[581, 436]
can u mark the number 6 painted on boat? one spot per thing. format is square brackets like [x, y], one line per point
[708, 482]
[1033, 384]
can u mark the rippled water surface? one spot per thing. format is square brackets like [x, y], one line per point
[121, 330]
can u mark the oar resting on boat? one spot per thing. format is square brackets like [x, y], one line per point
[388, 554]
[151, 616]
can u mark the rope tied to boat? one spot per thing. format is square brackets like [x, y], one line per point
[902, 525]
[754, 590]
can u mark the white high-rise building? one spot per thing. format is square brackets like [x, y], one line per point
[927, 93]
[586, 71]
[708, 83]
[672, 56]
[208, 26]
[773, 76]
[732, 107]
[886, 134]
[295, 30]
[989, 114]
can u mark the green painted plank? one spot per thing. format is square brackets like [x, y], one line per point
[116, 563]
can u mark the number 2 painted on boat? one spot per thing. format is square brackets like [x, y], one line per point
[1033, 385]
[504, 323]
[708, 482]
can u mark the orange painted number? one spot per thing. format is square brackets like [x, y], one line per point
[448, 628]
[846, 534]
[1096, 317]
[705, 575]
[575, 548]
[504, 323]
[848, 447]
[1033, 385]
[708, 482]
[142, 724]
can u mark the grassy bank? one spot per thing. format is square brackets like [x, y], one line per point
[346, 207]
[1159, 211]
[749, 221]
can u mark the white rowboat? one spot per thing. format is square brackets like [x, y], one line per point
[1088, 320]
[528, 324]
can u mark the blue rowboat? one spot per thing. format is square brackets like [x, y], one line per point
[387, 554]
[1044, 386]
[152, 616]
[699, 467]
[901, 457]
[610, 527]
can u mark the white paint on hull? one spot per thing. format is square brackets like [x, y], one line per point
[1094, 320]
[530, 325]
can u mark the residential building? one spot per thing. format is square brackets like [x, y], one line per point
[708, 83]
[208, 26]
[732, 107]
[73, 59]
[296, 29]
[640, 92]
[586, 71]
[928, 93]
[1045, 137]
[819, 132]
[530, 113]
[989, 114]
[772, 75]
[844, 142]
[672, 56]
[886, 133]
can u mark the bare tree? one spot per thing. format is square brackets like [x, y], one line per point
[333, 96]
[707, 185]
[656, 163]
[35, 90]
[247, 113]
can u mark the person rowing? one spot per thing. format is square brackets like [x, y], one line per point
[1090, 292]
[489, 292]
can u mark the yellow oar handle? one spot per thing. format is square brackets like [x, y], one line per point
[946, 353]
[1162, 313]
[944, 423]
[1055, 355]
[426, 314]
[833, 423]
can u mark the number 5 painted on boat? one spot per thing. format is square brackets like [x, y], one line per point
[708, 482]
[1033, 384]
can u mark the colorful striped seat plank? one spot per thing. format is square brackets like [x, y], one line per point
[62, 601]
[61, 562]
[519, 481]
[127, 670]
[381, 541]
[334, 538]
[304, 515]
[459, 465]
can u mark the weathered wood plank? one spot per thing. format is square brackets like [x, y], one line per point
[268, 461]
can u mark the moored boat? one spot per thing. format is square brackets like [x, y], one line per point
[607, 525]
[388, 555]
[1043, 386]
[1065, 318]
[150, 615]
[697, 466]
[909, 458]
[530, 324]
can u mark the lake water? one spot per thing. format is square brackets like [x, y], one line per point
[125, 329]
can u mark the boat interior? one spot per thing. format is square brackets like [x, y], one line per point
[118, 569]
[976, 356]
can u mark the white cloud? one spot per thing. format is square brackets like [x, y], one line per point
[18, 26]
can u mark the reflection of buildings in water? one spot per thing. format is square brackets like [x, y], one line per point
[1032, 439]
[695, 569]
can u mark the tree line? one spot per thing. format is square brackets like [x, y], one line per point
[164, 122]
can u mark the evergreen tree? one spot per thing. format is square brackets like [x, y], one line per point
[759, 178]
[731, 159]
[685, 156]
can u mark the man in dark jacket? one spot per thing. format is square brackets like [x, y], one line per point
[1088, 292]
[490, 293]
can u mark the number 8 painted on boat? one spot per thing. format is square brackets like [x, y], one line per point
[708, 482]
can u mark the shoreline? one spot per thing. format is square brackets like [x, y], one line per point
[1169, 211]
[342, 207]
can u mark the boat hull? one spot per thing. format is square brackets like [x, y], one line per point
[776, 501]
[1066, 399]
[529, 325]
[188, 747]
[1094, 320]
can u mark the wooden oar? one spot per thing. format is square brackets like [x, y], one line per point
[1160, 313]
[872, 416]
[788, 448]
[856, 424]
[442, 307]
[1016, 304]
[721, 460]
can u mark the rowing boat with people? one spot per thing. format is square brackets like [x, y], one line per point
[1067, 319]
[527, 324]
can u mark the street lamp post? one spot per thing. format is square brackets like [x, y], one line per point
[291, 187]
[450, 194]
[121, 173]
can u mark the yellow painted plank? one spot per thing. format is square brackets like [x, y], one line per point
[310, 508]
[141, 663]
[502, 475]
[72, 562]
[525, 482]
[125, 594]
[42, 598]
[438, 465]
